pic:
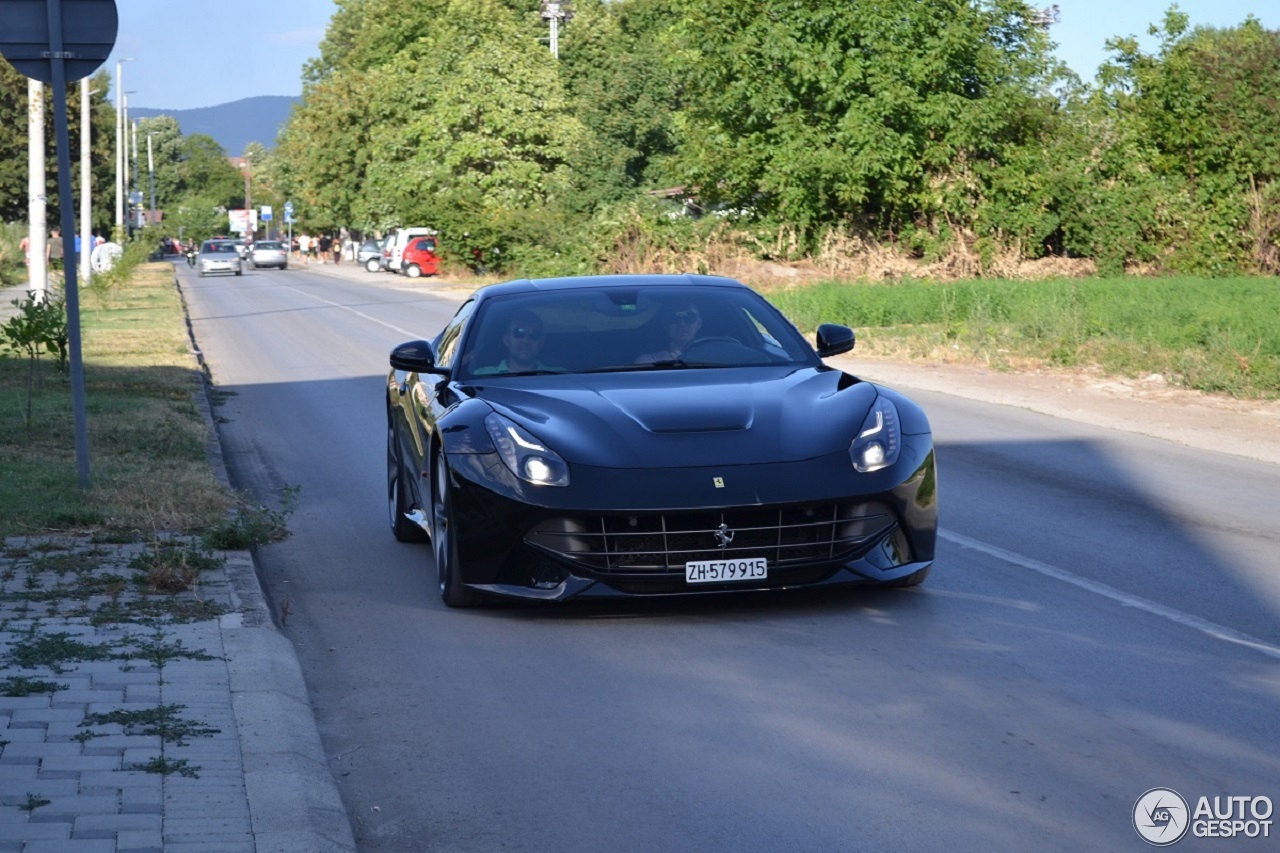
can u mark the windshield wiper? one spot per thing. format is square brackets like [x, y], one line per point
[667, 364]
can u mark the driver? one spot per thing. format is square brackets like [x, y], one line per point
[523, 339]
[683, 321]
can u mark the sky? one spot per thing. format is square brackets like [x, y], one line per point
[199, 53]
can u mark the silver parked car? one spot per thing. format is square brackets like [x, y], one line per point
[218, 256]
[369, 255]
[269, 253]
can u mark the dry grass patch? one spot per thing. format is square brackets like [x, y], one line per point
[148, 438]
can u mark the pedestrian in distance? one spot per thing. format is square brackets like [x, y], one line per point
[53, 250]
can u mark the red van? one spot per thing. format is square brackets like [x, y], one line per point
[420, 258]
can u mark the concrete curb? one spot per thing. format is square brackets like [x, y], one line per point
[294, 804]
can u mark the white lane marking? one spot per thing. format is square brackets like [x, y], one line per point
[1212, 629]
[360, 314]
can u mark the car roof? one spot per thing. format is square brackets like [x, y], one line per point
[593, 282]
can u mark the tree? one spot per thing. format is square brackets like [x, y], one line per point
[166, 141]
[1205, 106]
[13, 148]
[823, 111]
[615, 73]
[485, 134]
[324, 152]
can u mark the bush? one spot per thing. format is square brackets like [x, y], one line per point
[13, 267]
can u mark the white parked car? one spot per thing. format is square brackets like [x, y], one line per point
[269, 253]
[397, 239]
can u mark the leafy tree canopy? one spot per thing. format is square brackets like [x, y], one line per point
[812, 112]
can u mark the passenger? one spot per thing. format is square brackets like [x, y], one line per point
[682, 322]
[523, 339]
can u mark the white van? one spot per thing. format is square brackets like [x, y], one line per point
[397, 239]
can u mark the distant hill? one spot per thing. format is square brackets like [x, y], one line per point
[232, 125]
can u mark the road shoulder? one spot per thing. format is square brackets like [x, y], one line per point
[1150, 406]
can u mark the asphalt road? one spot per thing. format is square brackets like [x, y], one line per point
[1101, 621]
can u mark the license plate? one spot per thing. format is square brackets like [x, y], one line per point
[719, 571]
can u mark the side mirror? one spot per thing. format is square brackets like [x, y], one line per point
[834, 339]
[415, 357]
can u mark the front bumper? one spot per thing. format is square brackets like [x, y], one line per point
[814, 522]
[207, 267]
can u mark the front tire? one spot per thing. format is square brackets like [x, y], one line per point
[373, 265]
[452, 592]
[413, 271]
[397, 507]
[913, 579]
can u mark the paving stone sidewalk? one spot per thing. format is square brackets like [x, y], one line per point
[137, 720]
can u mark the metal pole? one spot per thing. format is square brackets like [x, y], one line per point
[65, 206]
[248, 209]
[38, 271]
[120, 102]
[86, 177]
[133, 175]
[124, 161]
[151, 172]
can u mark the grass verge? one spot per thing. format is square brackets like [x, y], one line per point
[1213, 335]
[148, 439]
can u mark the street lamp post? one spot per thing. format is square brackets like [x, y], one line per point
[555, 13]
[86, 227]
[133, 177]
[119, 133]
[248, 210]
[151, 173]
[38, 268]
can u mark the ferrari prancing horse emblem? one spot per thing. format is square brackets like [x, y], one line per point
[718, 482]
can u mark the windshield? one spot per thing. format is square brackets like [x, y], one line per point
[629, 329]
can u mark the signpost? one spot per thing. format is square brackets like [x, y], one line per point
[243, 222]
[56, 42]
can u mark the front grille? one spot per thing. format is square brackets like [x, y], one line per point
[663, 542]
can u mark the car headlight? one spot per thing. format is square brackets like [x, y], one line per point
[527, 457]
[879, 441]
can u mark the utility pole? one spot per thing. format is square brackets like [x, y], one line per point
[124, 160]
[120, 100]
[151, 172]
[555, 13]
[1046, 17]
[86, 178]
[248, 208]
[38, 270]
[133, 176]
